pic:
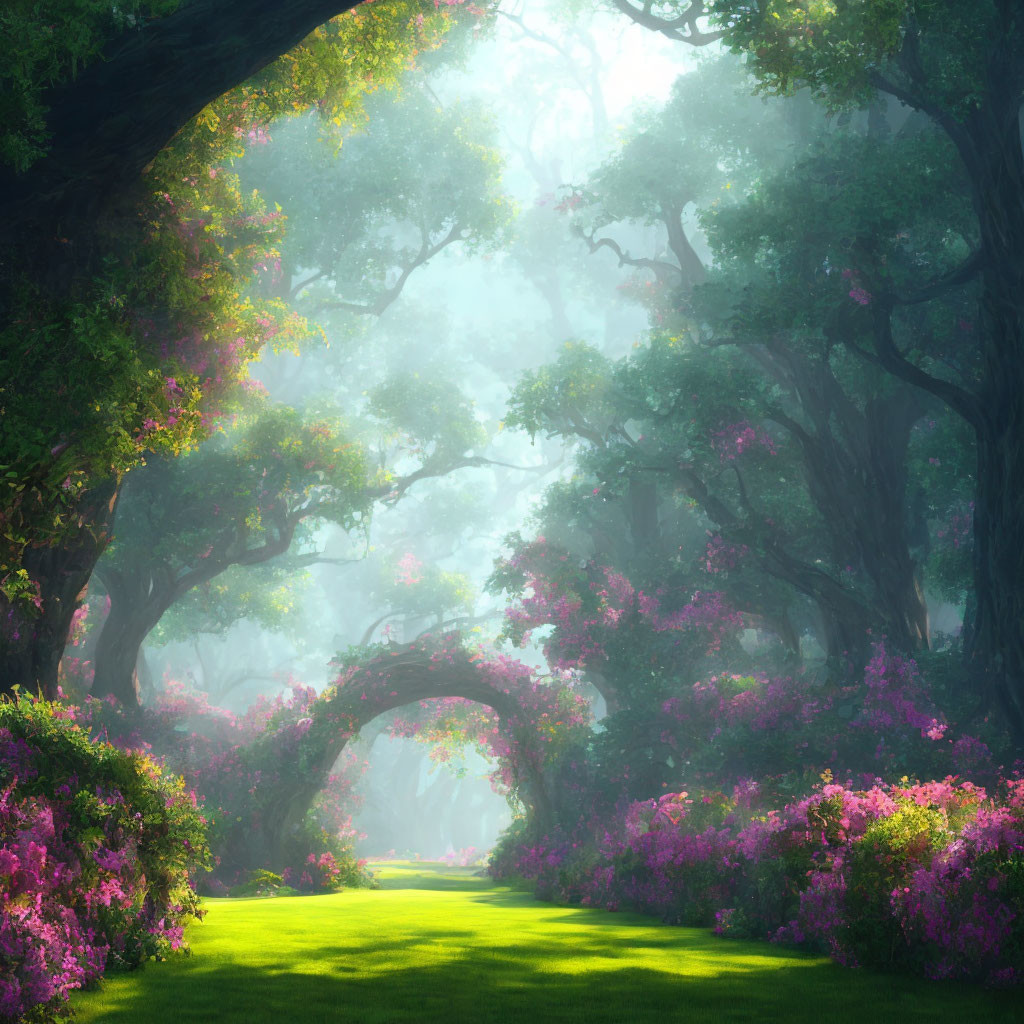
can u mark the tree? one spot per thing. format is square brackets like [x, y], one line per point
[185, 520]
[672, 421]
[768, 293]
[366, 208]
[244, 498]
[705, 143]
[100, 155]
[963, 69]
[783, 290]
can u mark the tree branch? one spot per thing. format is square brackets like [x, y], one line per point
[662, 271]
[293, 292]
[683, 28]
[392, 491]
[970, 268]
[377, 307]
[888, 355]
[111, 121]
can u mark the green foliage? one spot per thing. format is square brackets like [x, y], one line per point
[262, 883]
[168, 296]
[572, 395]
[880, 861]
[365, 207]
[660, 419]
[144, 360]
[268, 594]
[238, 491]
[427, 416]
[705, 144]
[830, 45]
[850, 212]
[845, 51]
[168, 815]
[408, 587]
[85, 355]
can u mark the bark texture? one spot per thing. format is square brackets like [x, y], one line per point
[32, 641]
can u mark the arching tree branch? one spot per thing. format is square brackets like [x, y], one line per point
[683, 27]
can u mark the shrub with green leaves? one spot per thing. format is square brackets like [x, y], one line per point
[98, 848]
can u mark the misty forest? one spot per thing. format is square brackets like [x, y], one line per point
[511, 511]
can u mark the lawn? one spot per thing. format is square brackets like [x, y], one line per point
[438, 944]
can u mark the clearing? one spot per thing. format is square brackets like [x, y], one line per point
[439, 944]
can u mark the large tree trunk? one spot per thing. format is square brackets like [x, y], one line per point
[139, 598]
[112, 120]
[996, 652]
[32, 640]
[643, 512]
[884, 521]
[120, 645]
[855, 461]
[107, 126]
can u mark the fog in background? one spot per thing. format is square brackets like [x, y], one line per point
[556, 92]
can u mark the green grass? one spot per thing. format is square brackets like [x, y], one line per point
[438, 944]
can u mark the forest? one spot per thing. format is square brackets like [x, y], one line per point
[511, 511]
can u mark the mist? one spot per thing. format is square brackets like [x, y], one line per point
[552, 98]
[463, 458]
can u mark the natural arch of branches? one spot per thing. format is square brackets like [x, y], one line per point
[294, 761]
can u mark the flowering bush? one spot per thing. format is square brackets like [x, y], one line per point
[217, 754]
[97, 847]
[598, 614]
[922, 877]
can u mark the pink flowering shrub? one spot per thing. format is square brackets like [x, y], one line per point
[97, 847]
[735, 439]
[681, 874]
[921, 877]
[785, 731]
[216, 752]
[468, 856]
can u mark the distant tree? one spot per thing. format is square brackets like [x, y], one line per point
[783, 291]
[246, 496]
[779, 288]
[415, 593]
[233, 502]
[962, 69]
[366, 207]
[706, 144]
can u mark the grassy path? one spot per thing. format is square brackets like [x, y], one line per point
[440, 945]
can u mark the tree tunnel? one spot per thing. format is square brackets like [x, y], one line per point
[290, 765]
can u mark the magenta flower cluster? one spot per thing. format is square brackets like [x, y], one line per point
[736, 439]
[96, 847]
[597, 610]
[922, 877]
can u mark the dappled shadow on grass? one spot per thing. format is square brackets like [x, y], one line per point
[497, 991]
[443, 975]
[461, 950]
